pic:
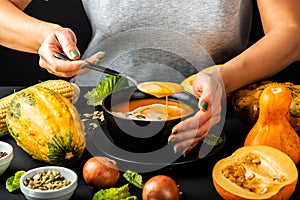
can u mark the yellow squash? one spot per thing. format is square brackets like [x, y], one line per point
[46, 125]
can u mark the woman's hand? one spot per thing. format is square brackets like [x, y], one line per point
[208, 87]
[63, 40]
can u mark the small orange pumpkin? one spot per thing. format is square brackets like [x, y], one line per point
[273, 127]
[255, 172]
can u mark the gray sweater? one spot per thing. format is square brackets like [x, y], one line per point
[166, 40]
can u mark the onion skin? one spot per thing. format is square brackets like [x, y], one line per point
[100, 172]
[161, 187]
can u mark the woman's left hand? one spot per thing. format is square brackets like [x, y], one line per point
[208, 87]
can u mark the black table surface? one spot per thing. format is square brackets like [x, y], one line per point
[194, 178]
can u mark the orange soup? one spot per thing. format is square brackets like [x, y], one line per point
[152, 109]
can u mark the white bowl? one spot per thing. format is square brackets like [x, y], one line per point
[64, 193]
[6, 160]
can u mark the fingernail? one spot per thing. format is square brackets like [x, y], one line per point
[178, 150]
[173, 141]
[175, 132]
[84, 65]
[100, 57]
[204, 106]
[74, 54]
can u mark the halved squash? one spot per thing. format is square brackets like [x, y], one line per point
[255, 172]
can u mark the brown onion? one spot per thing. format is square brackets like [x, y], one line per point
[101, 172]
[161, 187]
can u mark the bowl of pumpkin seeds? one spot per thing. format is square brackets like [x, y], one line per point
[49, 182]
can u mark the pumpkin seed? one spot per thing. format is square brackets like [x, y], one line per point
[47, 180]
[92, 116]
[2, 154]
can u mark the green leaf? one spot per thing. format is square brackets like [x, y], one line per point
[107, 86]
[121, 193]
[13, 182]
[212, 139]
[134, 178]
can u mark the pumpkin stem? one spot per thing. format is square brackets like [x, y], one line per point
[276, 90]
[69, 155]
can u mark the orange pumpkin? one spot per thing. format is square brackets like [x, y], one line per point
[273, 127]
[255, 172]
[245, 102]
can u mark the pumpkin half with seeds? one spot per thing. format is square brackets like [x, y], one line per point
[255, 172]
[46, 125]
[245, 102]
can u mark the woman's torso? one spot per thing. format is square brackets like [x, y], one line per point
[134, 34]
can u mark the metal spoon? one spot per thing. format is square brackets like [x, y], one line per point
[155, 88]
[97, 67]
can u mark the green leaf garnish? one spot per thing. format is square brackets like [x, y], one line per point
[134, 178]
[212, 139]
[13, 182]
[120, 193]
[107, 86]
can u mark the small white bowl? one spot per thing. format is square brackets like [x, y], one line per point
[64, 193]
[6, 160]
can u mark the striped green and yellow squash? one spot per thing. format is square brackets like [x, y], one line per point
[46, 125]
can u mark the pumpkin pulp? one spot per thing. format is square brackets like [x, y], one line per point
[255, 172]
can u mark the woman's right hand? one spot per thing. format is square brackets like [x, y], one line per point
[208, 87]
[62, 40]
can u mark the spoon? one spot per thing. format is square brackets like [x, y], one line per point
[159, 88]
[96, 67]
[155, 88]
